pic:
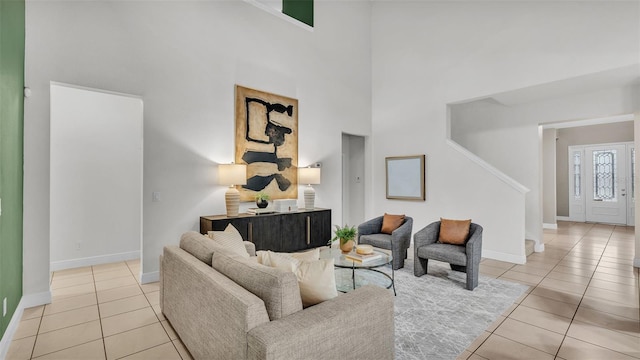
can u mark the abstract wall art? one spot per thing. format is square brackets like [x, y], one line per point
[267, 141]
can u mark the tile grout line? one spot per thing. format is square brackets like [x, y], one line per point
[534, 287]
[104, 345]
[157, 317]
[573, 319]
[33, 349]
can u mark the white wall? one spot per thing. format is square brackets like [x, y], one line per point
[507, 136]
[96, 177]
[429, 54]
[183, 59]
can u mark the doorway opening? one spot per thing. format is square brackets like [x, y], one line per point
[95, 177]
[353, 186]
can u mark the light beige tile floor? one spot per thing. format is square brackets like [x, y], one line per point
[98, 312]
[583, 300]
[583, 303]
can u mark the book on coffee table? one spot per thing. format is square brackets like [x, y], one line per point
[363, 258]
[257, 211]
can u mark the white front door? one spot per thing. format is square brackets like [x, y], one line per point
[606, 183]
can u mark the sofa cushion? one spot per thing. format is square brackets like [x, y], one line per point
[264, 257]
[277, 288]
[382, 241]
[231, 239]
[391, 222]
[316, 277]
[454, 232]
[317, 281]
[198, 245]
[453, 254]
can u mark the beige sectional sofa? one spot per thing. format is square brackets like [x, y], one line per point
[226, 307]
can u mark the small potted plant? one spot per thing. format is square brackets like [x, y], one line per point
[262, 200]
[347, 235]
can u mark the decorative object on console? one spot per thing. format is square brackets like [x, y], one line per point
[232, 175]
[285, 205]
[262, 200]
[258, 211]
[309, 176]
[405, 177]
[346, 234]
[267, 141]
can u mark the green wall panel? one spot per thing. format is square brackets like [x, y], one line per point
[299, 9]
[12, 23]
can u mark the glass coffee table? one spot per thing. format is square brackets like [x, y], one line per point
[351, 274]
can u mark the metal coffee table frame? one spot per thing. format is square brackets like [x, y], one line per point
[341, 262]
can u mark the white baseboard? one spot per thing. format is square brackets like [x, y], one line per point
[11, 329]
[538, 247]
[150, 277]
[36, 299]
[25, 302]
[563, 218]
[94, 260]
[489, 254]
[549, 226]
[636, 262]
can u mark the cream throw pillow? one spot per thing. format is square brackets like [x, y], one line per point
[317, 281]
[231, 240]
[316, 278]
[264, 257]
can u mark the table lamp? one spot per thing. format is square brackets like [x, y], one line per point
[309, 176]
[232, 175]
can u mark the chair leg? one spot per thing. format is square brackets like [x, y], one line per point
[458, 268]
[398, 263]
[472, 279]
[420, 266]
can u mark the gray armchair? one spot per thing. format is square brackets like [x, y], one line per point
[398, 242]
[465, 258]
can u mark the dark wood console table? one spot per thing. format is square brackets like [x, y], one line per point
[282, 232]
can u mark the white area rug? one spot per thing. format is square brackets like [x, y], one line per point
[437, 318]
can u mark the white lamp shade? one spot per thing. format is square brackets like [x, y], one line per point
[308, 175]
[232, 174]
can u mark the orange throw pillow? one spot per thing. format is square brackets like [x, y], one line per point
[391, 222]
[454, 231]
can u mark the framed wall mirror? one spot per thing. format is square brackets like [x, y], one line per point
[405, 177]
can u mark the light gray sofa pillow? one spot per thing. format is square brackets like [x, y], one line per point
[277, 288]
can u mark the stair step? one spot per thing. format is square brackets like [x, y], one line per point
[529, 246]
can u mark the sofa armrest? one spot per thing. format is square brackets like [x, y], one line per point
[372, 226]
[250, 247]
[474, 244]
[356, 325]
[428, 235]
[403, 233]
[196, 299]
